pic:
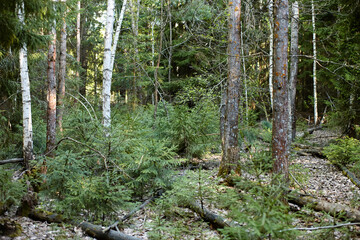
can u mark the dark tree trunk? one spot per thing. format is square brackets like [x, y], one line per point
[280, 140]
[230, 158]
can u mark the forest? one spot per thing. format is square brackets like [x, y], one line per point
[179, 119]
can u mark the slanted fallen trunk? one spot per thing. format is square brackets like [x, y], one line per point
[208, 216]
[306, 150]
[334, 209]
[97, 232]
[349, 175]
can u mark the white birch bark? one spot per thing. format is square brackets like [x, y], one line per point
[117, 33]
[271, 52]
[314, 64]
[245, 78]
[170, 40]
[107, 71]
[26, 97]
[78, 36]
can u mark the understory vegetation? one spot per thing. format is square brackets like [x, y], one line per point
[96, 178]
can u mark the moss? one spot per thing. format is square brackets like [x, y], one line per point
[10, 228]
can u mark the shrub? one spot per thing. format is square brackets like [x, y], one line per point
[346, 151]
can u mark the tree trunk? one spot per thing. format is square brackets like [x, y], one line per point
[62, 73]
[107, 71]
[26, 97]
[314, 64]
[244, 78]
[156, 73]
[51, 95]
[230, 157]
[78, 36]
[280, 141]
[334, 209]
[135, 8]
[170, 40]
[271, 51]
[117, 33]
[294, 52]
[96, 231]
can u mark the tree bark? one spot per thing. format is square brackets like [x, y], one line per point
[26, 97]
[314, 63]
[107, 71]
[271, 51]
[62, 71]
[117, 33]
[294, 52]
[135, 8]
[51, 94]
[280, 141]
[78, 36]
[334, 209]
[156, 73]
[96, 231]
[230, 157]
[170, 41]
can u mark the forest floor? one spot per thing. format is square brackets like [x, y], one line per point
[319, 178]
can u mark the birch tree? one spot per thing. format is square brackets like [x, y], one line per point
[294, 52]
[78, 36]
[107, 71]
[117, 33]
[281, 111]
[271, 51]
[26, 97]
[230, 157]
[51, 94]
[314, 64]
[62, 70]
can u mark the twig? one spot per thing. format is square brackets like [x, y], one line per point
[318, 228]
[12, 160]
[81, 104]
[78, 142]
[302, 188]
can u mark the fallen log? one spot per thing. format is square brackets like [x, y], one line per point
[97, 232]
[12, 160]
[334, 209]
[216, 221]
[349, 175]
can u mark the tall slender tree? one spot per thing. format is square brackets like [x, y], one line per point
[294, 59]
[51, 94]
[107, 71]
[26, 96]
[271, 50]
[117, 33]
[78, 35]
[62, 69]
[230, 157]
[314, 63]
[280, 138]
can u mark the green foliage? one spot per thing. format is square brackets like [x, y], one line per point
[10, 191]
[191, 130]
[261, 213]
[346, 151]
